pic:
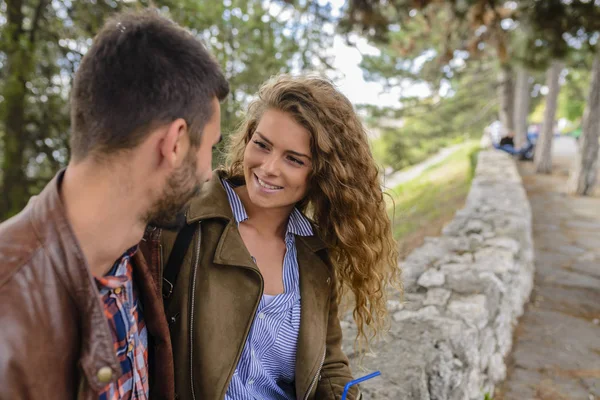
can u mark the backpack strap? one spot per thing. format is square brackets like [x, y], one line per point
[173, 266]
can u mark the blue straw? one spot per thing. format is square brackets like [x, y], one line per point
[357, 381]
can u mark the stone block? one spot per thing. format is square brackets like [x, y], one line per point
[504, 243]
[495, 260]
[427, 312]
[394, 305]
[453, 268]
[432, 278]
[497, 368]
[437, 297]
[472, 309]
[487, 347]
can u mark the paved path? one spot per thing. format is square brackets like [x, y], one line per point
[396, 178]
[556, 354]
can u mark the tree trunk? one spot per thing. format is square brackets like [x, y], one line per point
[506, 96]
[585, 168]
[20, 47]
[522, 101]
[14, 187]
[543, 148]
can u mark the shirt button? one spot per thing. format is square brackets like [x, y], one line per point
[261, 315]
[251, 381]
[117, 290]
[104, 374]
[130, 347]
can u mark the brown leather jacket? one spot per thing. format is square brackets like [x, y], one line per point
[215, 300]
[55, 342]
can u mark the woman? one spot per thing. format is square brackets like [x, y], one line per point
[255, 309]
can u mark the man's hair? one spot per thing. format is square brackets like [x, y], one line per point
[143, 70]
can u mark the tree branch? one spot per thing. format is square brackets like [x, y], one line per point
[39, 10]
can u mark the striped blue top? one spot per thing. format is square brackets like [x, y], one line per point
[267, 367]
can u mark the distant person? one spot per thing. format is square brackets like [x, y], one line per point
[509, 139]
[80, 313]
[296, 219]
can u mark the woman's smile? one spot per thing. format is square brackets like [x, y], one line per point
[267, 186]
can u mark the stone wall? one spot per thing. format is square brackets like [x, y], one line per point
[464, 293]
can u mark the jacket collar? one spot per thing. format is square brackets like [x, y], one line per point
[51, 226]
[212, 202]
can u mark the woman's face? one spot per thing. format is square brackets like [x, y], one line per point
[277, 161]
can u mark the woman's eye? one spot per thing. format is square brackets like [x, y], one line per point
[295, 161]
[260, 144]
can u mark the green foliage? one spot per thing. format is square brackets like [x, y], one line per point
[252, 40]
[434, 122]
[410, 27]
[556, 28]
[547, 30]
[379, 150]
[573, 95]
[434, 45]
[429, 40]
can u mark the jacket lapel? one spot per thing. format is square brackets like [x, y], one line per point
[213, 203]
[231, 249]
[315, 295]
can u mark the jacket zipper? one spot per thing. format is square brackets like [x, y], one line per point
[160, 261]
[196, 260]
[314, 380]
[237, 359]
[239, 355]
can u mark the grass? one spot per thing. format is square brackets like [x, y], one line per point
[421, 206]
[378, 148]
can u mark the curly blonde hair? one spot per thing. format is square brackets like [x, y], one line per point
[344, 200]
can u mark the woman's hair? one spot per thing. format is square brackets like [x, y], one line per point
[344, 199]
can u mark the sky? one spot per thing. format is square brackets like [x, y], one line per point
[349, 76]
[351, 81]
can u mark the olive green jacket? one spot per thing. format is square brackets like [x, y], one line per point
[216, 296]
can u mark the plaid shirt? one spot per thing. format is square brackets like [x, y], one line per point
[124, 314]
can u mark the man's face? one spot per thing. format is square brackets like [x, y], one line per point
[186, 181]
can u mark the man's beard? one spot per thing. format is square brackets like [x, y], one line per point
[169, 211]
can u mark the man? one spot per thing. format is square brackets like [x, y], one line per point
[75, 323]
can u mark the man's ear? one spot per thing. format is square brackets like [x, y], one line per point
[175, 143]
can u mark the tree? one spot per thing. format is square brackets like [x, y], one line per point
[42, 42]
[437, 121]
[446, 33]
[506, 94]
[574, 93]
[583, 175]
[254, 40]
[559, 30]
[19, 46]
[551, 30]
[543, 149]
[522, 102]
